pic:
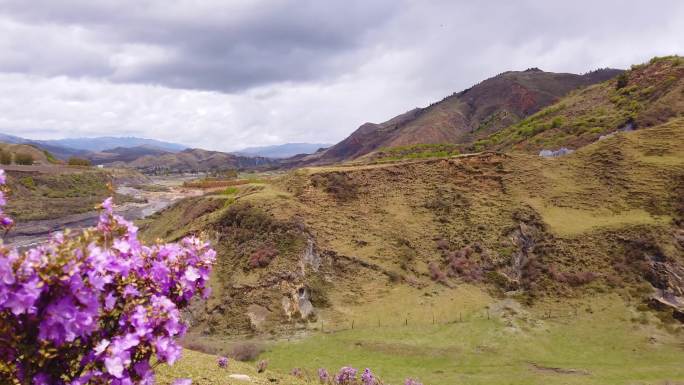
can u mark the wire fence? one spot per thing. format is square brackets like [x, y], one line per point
[427, 320]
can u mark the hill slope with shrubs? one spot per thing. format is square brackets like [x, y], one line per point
[465, 116]
[301, 251]
[645, 96]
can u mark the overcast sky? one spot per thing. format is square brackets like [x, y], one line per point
[234, 73]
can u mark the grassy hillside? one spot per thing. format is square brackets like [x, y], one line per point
[592, 221]
[645, 96]
[350, 248]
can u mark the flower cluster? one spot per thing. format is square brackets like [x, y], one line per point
[346, 376]
[323, 375]
[367, 378]
[96, 306]
[222, 362]
[5, 221]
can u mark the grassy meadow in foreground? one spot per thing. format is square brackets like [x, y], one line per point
[601, 340]
[606, 345]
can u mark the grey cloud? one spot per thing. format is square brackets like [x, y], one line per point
[217, 47]
[230, 74]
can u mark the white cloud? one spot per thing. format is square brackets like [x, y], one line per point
[225, 77]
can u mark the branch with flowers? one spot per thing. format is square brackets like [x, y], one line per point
[95, 306]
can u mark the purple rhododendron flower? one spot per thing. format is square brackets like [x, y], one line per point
[346, 376]
[100, 294]
[323, 375]
[222, 362]
[297, 372]
[367, 377]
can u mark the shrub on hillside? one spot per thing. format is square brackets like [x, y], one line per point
[572, 278]
[442, 244]
[622, 80]
[337, 184]
[28, 182]
[75, 161]
[262, 256]
[436, 274]
[5, 157]
[460, 264]
[246, 351]
[23, 159]
[96, 306]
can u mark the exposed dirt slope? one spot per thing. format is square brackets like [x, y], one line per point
[304, 249]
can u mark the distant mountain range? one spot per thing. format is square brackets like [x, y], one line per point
[108, 142]
[149, 155]
[64, 148]
[286, 150]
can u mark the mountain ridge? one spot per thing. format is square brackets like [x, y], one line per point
[194, 160]
[101, 143]
[66, 147]
[464, 116]
[284, 150]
